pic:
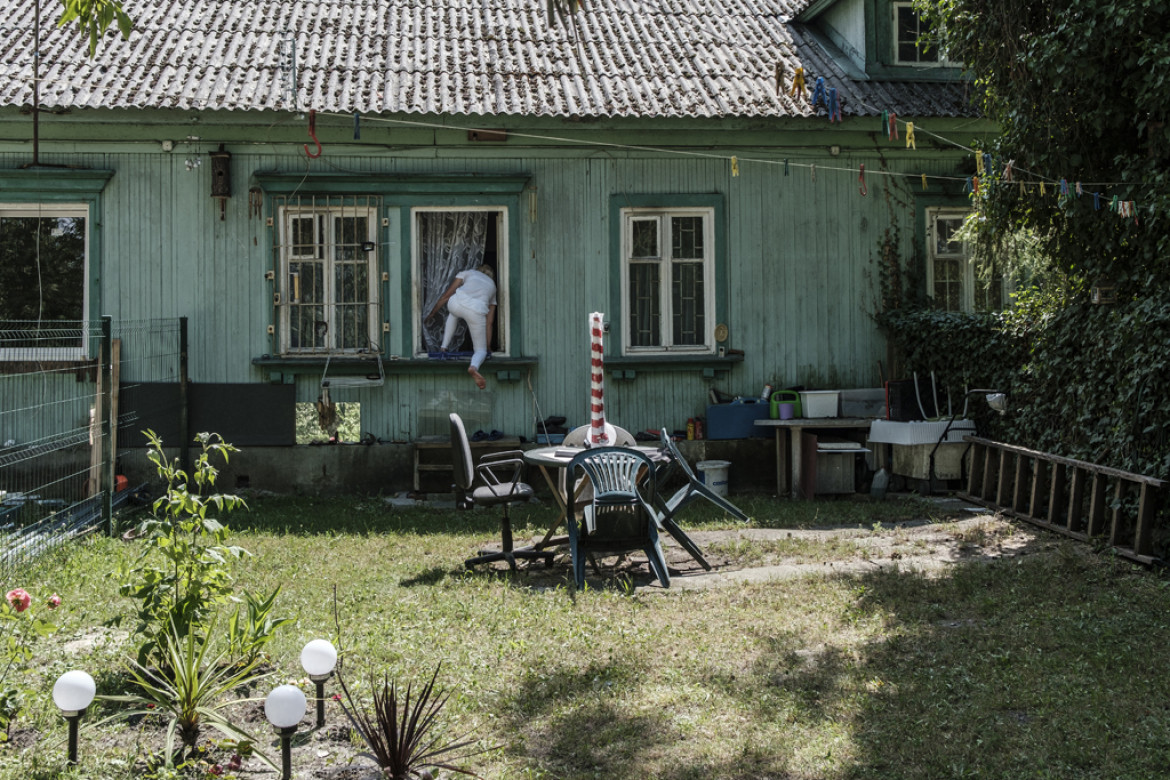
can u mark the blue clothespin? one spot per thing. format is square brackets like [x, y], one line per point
[834, 106]
[357, 126]
[819, 92]
[1096, 201]
[987, 163]
[967, 185]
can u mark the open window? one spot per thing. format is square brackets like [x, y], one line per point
[447, 241]
[328, 258]
[44, 272]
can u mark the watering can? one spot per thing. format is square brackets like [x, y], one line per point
[782, 398]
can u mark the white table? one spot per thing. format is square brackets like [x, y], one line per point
[789, 459]
[559, 457]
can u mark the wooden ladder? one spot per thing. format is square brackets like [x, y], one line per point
[1068, 496]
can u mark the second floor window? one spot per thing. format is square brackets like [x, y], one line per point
[913, 42]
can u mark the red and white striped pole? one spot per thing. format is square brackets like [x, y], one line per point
[597, 435]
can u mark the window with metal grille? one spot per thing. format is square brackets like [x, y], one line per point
[327, 253]
[668, 260]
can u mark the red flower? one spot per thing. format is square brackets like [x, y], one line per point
[54, 601]
[216, 770]
[337, 697]
[150, 705]
[19, 599]
[235, 762]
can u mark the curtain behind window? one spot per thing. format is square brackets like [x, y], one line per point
[448, 242]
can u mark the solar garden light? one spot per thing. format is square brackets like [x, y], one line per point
[73, 692]
[284, 708]
[318, 659]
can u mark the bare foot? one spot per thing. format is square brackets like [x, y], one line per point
[480, 382]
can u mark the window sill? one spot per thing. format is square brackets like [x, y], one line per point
[505, 369]
[713, 366]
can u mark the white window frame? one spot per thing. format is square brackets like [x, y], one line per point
[967, 279]
[663, 215]
[289, 212]
[52, 211]
[941, 62]
[502, 321]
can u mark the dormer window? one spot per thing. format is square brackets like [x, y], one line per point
[913, 44]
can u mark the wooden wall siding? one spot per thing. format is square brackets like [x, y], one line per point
[800, 295]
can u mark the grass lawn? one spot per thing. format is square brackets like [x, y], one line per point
[1051, 664]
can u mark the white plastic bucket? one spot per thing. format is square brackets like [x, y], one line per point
[714, 473]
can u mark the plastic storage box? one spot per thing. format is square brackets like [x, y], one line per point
[737, 420]
[819, 403]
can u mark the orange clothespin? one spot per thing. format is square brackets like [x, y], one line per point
[861, 180]
[313, 135]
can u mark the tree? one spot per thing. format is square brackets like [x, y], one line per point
[1080, 89]
[94, 17]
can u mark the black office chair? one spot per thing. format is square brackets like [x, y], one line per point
[499, 476]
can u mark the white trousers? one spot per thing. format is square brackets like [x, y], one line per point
[476, 325]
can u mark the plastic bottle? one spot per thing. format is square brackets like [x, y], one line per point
[690, 429]
[764, 396]
[698, 427]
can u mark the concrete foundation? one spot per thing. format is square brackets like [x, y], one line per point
[387, 469]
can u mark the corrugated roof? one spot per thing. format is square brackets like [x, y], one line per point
[623, 58]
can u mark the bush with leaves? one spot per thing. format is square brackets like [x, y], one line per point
[182, 573]
[401, 730]
[22, 623]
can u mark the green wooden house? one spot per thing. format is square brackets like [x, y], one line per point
[300, 180]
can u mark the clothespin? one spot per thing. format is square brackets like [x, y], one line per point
[799, 88]
[975, 186]
[892, 129]
[1079, 191]
[734, 165]
[834, 106]
[885, 119]
[967, 185]
[1064, 187]
[910, 142]
[979, 164]
[988, 165]
[813, 172]
[1007, 171]
[785, 166]
[819, 92]
[1096, 201]
[861, 180]
[1023, 190]
[1042, 193]
[1113, 204]
[924, 182]
[357, 126]
[779, 78]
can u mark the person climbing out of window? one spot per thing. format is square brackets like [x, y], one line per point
[471, 298]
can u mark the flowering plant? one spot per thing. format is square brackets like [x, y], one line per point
[21, 624]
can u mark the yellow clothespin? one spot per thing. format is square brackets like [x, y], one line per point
[1042, 193]
[813, 171]
[734, 165]
[978, 163]
[910, 142]
[924, 181]
[798, 85]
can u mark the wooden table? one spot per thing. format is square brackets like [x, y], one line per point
[789, 459]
